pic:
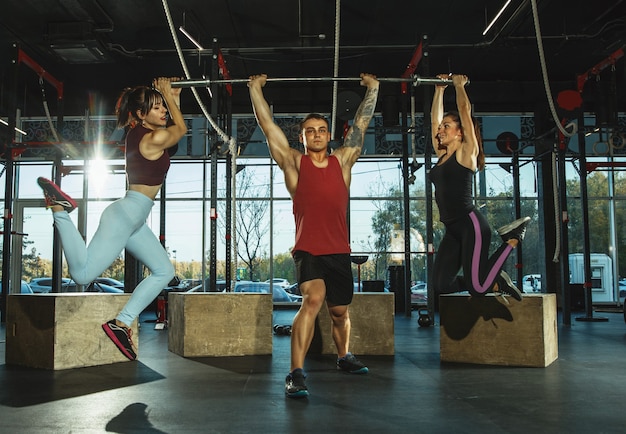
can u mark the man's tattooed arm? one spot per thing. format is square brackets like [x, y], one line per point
[362, 118]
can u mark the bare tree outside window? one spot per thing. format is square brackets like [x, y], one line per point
[253, 222]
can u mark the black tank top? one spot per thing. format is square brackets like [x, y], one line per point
[453, 189]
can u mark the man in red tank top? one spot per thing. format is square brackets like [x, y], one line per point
[319, 186]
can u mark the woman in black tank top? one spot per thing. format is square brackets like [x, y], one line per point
[465, 244]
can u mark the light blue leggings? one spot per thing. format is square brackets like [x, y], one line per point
[122, 225]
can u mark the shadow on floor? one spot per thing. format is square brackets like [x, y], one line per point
[29, 386]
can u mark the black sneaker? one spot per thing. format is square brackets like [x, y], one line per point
[514, 230]
[53, 195]
[351, 364]
[121, 337]
[294, 384]
[506, 286]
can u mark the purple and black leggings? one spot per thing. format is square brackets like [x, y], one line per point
[466, 245]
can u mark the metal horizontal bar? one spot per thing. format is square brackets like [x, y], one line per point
[416, 80]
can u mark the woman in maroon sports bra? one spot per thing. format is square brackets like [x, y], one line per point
[143, 110]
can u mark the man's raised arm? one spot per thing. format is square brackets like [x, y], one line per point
[277, 142]
[355, 137]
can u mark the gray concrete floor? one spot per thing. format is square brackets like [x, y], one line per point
[412, 391]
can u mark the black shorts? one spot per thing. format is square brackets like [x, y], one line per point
[335, 270]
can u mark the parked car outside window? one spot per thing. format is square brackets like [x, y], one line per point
[419, 293]
[44, 284]
[293, 289]
[622, 289]
[279, 295]
[284, 283]
[24, 288]
[187, 284]
[110, 282]
[220, 286]
[96, 286]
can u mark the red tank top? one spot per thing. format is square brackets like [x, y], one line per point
[320, 208]
[140, 170]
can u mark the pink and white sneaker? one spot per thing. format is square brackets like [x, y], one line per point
[55, 196]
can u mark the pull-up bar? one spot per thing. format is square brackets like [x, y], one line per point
[415, 79]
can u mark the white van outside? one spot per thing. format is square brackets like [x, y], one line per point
[603, 288]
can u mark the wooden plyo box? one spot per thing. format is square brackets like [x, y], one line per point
[486, 330]
[372, 326]
[64, 330]
[213, 324]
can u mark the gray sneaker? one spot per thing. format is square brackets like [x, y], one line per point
[294, 384]
[506, 286]
[351, 364]
[514, 230]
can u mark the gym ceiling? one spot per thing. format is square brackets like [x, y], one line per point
[98, 47]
